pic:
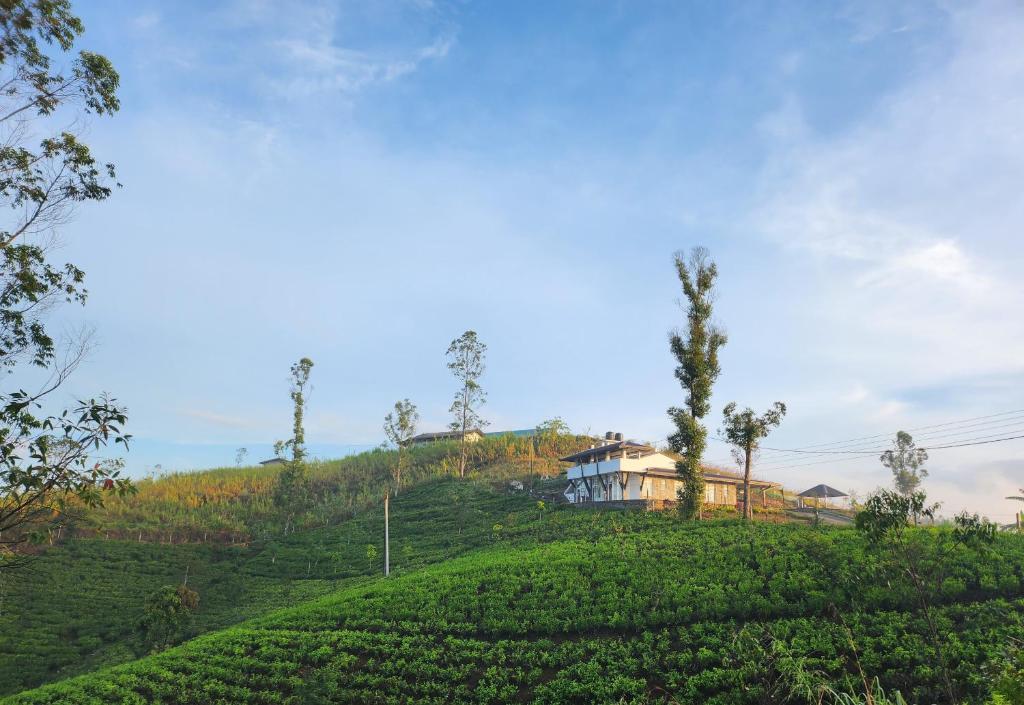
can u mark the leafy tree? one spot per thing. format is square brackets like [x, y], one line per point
[466, 361]
[696, 350]
[45, 463]
[167, 614]
[400, 427]
[744, 430]
[290, 492]
[240, 455]
[552, 428]
[906, 461]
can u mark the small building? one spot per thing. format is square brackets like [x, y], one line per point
[617, 470]
[273, 461]
[472, 436]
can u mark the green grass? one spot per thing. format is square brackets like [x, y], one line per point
[578, 606]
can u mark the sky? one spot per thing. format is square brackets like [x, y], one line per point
[361, 182]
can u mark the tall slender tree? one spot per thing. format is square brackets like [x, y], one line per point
[46, 455]
[290, 491]
[906, 461]
[400, 427]
[466, 356]
[744, 430]
[696, 350]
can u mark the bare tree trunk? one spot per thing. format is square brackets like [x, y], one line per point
[398, 476]
[462, 446]
[748, 508]
[387, 540]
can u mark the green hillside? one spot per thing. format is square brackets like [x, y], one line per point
[78, 606]
[588, 606]
[494, 598]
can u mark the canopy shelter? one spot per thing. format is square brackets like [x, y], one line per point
[820, 492]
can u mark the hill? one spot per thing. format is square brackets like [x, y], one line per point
[78, 608]
[79, 605]
[597, 606]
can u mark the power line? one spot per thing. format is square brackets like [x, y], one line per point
[1018, 416]
[1006, 428]
[776, 462]
[973, 442]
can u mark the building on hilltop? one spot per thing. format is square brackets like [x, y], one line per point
[617, 470]
[472, 436]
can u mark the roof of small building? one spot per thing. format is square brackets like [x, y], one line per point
[273, 461]
[822, 492]
[437, 435]
[608, 448]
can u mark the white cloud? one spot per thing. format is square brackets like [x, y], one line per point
[856, 395]
[218, 419]
[907, 226]
[318, 61]
[915, 212]
[147, 20]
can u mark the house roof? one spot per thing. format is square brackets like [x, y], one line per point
[438, 435]
[608, 448]
[718, 477]
[823, 492]
[273, 461]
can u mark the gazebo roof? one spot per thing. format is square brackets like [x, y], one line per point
[823, 492]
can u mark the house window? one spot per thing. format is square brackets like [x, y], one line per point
[709, 494]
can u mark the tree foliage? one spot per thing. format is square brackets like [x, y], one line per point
[552, 428]
[906, 461]
[45, 458]
[166, 615]
[696, 350]
[399, 428]
[744, 430]
[466, 360]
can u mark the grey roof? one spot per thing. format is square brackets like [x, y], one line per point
[822, 492]
[609, 448]
[273, 461]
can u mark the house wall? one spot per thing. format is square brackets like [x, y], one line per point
[607, 488]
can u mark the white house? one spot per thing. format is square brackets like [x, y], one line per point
[615, 470]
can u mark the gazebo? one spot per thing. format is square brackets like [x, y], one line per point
[821, 492]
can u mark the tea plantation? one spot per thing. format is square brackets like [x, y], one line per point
[555, 606]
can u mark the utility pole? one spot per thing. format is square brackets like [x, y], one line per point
[387, 539]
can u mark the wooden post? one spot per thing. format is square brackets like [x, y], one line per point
[387, 540]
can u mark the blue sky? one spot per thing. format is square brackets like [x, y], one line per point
[361, 182]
